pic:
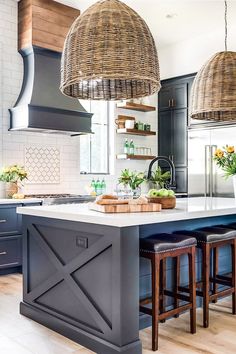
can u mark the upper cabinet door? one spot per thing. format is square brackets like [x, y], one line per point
[180, 96]
[165, 133]
[165, 97]
[179, 137]
[173, 96]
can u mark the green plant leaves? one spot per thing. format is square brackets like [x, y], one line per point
[131, 178]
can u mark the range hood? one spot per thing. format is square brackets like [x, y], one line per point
[41, 107]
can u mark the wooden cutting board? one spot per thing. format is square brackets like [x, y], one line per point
[112, 201]
[126, 208]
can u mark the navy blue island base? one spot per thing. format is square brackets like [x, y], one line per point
[84, 280]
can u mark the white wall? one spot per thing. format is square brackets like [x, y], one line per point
[13, 144]
[188, 56]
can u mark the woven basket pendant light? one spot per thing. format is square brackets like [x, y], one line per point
[109, 54]
[213, 95]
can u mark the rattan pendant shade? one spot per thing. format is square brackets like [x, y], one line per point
[109, 54]
[213, 95]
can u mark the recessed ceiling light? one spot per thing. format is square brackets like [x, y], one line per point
[171, 16]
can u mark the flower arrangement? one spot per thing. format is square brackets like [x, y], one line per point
[14, 174]
[225, 158]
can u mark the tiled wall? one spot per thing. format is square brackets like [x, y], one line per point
[13, 144]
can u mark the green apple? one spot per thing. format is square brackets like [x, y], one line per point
[153, 193]
[163, 192]
[171, 193]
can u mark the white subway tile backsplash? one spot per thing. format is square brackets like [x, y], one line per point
[13, 144]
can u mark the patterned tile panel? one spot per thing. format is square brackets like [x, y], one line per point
[42, 164]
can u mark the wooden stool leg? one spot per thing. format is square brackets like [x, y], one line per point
[155, 299]
[233, 249]
[206, 282]
[176, 282]
[192, 289]
[215, 270]
[162, 286]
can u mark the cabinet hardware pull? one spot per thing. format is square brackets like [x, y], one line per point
[172, 103]
[3, 253]
[169, 103]
[2, 221]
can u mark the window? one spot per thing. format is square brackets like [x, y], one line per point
[94, 154]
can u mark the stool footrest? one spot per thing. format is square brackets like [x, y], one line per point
[145, 310]
[186, 290]
[221, 281]
[179, 296]
[225, 276]
[170, 313]
[222, 293]
[173, 312]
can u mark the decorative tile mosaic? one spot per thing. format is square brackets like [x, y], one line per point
[42, 164]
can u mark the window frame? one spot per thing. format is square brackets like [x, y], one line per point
[108, 172]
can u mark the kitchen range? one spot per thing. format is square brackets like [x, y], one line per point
[117, 177]
[48, 199]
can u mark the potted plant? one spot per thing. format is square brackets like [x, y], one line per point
[159, 178]
[13, 176]
[133, 179]
[225, 158]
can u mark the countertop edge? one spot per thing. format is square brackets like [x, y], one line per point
[86, 216]
[20, 201]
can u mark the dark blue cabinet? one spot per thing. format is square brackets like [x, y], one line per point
[173, 105]
[10, 252]
[11, 238]
[10, 221]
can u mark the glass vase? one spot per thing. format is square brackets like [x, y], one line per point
[11, 189]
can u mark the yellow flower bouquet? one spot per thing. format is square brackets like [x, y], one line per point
[13, 174]
[225, 158]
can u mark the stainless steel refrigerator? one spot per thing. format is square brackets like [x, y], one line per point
[204, 177]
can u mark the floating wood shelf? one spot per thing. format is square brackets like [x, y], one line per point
[136, 107]
[135, 132]
[134, 157]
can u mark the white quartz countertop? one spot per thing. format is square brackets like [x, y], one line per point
[186, 208]
[20, 201]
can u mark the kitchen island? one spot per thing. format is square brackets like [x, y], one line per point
[82, 274]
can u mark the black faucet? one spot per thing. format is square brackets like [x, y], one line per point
[172, 184]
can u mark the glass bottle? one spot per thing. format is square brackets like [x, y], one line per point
[103, 186]
[93, 185]
[126, 147]
[98, 187]
[131, 147]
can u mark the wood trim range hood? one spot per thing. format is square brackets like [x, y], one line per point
[41, 107]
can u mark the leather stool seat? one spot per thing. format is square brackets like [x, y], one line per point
[166, 242]
[212, 234]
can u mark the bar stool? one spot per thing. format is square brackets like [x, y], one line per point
[157, 248]
[211, 238]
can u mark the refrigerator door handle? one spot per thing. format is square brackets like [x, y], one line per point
[207, 171]
[213, 170]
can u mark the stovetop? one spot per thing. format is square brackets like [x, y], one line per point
[59, 195]
[62, 198]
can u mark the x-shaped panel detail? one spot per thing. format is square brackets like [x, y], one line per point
[64, 273]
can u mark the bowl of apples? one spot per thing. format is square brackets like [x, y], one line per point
[165, 197]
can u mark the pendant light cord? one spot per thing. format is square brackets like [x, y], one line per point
[226, 26]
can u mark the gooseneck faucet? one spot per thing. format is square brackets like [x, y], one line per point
[172, 184]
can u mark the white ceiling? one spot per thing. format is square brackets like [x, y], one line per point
[191, 17]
